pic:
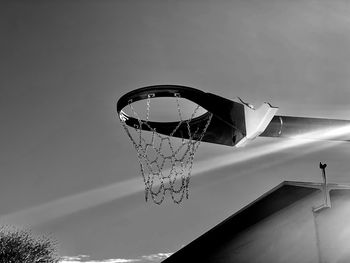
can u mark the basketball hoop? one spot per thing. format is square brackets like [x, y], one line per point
[166, 149]
[165, 162]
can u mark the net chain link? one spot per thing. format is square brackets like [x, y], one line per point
[157, 179]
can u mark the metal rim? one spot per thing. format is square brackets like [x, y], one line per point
[157, 91]
[192, 94]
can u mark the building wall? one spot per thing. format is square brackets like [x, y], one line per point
[334, 229]
[286, 236]
[281, 227]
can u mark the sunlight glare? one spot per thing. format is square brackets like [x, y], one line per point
[74, 203]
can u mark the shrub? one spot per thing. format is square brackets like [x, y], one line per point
[21, 246]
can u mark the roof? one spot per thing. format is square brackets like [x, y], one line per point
[271, 202]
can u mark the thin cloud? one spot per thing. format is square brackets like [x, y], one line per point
[80, 259]
[157, 257]
[153, 258]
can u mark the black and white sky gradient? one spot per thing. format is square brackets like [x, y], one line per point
[66, 165]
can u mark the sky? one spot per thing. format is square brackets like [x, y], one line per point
[67, 167]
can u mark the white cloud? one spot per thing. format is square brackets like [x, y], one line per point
[144, 259]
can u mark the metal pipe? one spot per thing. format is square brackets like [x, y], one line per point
[308, 128]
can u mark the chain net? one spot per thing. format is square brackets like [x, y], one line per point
[165, 162]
